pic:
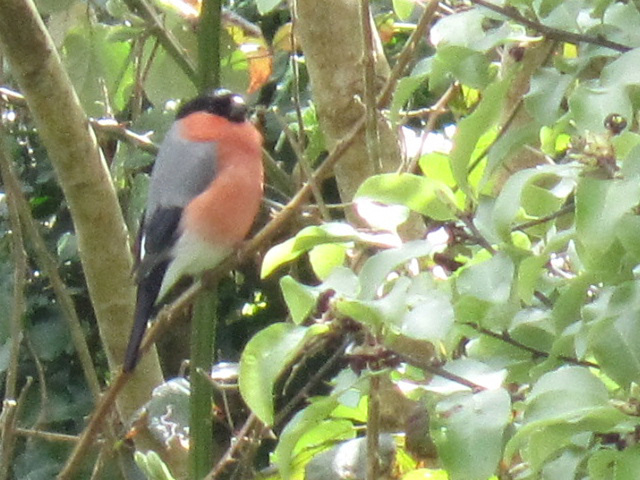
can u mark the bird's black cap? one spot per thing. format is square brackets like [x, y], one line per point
[219, 102]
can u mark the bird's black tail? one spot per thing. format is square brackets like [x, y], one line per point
[148, 289]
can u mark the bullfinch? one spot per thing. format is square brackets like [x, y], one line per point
[204, 194]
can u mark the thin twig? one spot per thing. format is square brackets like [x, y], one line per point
[49, 266]
[240, 439]
[11, 412]
[164, 318]
[48, 436]
[539, 221]
[90, 433]
[19, 271]
[483, 242]
[438, 109]
[304, 165]
[18, 307]
[295, 67]
[550, 32]
[43, 413]
[505, 337]
[105, 126]
[279, 180]
[117, 130]
[441, 372]
[303, 393]
[165, 36]
[407, 53]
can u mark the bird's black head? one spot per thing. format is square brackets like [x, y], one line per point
[219, 102]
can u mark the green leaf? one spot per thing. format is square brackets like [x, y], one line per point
[426, 474]
[50, 339]
[302, 422]
[473, 424]
[563, 404]
[469, 67]
[623, 18]
[152, 465]
[615, 343]
[590, 103]
[613, 464]
[305, 240]
[279, 255]
[377, 313]
[567, 307]
[547, 91]
[472, 128]
[628, 232]
[490, 280]
[376, 268]
[511, 197]
[401, 95]
[600, 205]
[420, 194]
[463, 29]
[300, 299]
[161, 87]
[326, 257]
[568, 394]
[403, 8]
[264, 358]
[97, 66]
[266, 6]
[535, 328]
[530, 271]
[325, 433]
[508, 145]
[428, 313]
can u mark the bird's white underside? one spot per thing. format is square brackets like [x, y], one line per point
[191, 255]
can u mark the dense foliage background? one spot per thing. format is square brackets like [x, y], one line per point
[473, 305]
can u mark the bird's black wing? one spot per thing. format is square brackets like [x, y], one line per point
[161, 233]
[182, 171]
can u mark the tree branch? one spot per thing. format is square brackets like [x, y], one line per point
[85, 181]
[505, 337]
[550, 32]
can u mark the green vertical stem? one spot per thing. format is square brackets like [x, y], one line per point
[209, 44]
[203, 333]
[373, 428]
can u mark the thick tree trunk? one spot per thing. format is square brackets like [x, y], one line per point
[331, 39]
[85, 181]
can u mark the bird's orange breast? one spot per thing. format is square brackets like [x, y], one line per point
[225, 211]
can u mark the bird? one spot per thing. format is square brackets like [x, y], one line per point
[205, 191]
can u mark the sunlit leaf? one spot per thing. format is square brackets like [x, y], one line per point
[471, 129]
[302, 422]
[300, 298]
[304, 241]
[421, 194]
[264, 358]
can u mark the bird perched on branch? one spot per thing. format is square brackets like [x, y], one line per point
[205, 192]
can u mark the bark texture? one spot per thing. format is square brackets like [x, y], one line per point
[82, 173]
[331, 39]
